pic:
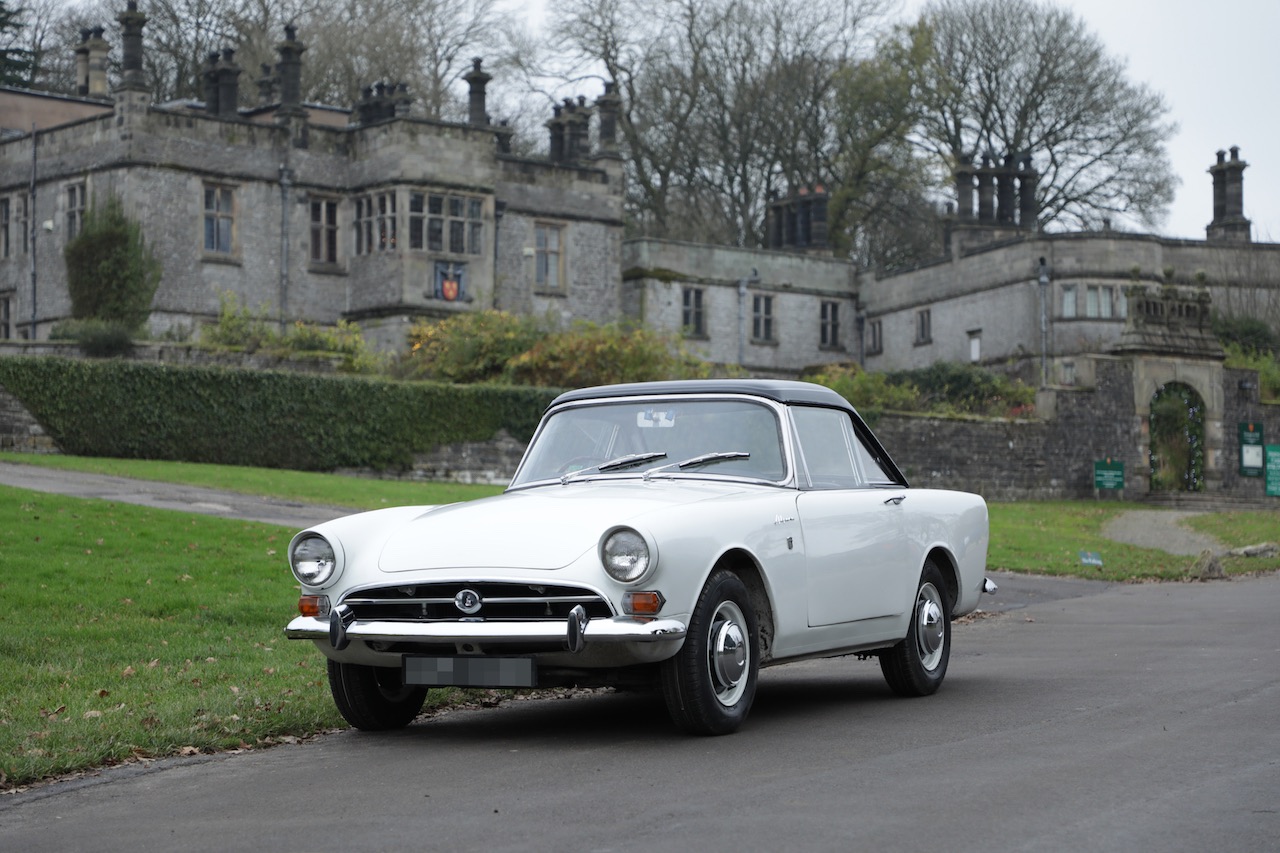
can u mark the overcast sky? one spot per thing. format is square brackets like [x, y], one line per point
[1218, 66]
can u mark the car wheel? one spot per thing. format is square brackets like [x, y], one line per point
[374, 698]
[916, 666]
[710, 683]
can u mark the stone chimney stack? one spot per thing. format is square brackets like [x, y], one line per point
[209, 84]
[608, 106]
[1028, 182]
[556, 126]
[964, 191]
[228, 85]
[290, 71]
[986, 192]
[82, 63]
[131, 23]
[267, 85]
[570, 131]
[1005, 214]
[1229, 224]
[477, 80]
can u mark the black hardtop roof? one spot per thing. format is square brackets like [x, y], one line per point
[781, 390]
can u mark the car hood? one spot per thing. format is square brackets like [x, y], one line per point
[544, 528]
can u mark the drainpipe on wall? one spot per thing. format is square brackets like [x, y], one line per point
[286, 183]
[1044, 324]
[32, 219]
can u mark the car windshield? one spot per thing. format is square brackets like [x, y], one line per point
[667, 437]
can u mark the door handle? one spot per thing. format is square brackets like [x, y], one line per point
[895, 500]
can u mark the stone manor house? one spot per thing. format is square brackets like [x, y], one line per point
[377, 215]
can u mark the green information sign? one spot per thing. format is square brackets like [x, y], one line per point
[1108, 474]
[1250, 450]
[1273, 470]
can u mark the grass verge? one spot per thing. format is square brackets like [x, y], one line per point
[303, 486]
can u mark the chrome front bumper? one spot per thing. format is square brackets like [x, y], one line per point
[619, 629]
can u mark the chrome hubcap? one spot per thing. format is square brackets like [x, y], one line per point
[931, 636]
[728, 652]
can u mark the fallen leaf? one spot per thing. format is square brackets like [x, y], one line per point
[103, 694]
[91, 715]
[153, 664]
[128, 671]
[188, 750]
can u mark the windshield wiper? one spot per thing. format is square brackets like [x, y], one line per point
[699, 461]
[628, 461]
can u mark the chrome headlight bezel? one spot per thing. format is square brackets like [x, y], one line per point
[314, 560]
[627, 555]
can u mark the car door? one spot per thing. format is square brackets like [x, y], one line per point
[856, 553]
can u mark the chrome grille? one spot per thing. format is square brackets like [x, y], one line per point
[434, 602]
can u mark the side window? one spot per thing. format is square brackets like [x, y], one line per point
[827, 447]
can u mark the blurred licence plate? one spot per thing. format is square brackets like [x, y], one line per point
[469, 671]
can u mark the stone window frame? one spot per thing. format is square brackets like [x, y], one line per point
[324, 241]
[829, 325]
[1100, 301]
[875, 337]
[375, 223]
[547, 258]
[5, 228]
[75, 194]
[447, 223]
[693, 318]
[924, 327]
[1068, 304]
[975, 346]
[219, 220]
[7, 300]
[762, 325]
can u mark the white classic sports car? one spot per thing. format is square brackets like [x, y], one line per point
[677, 535]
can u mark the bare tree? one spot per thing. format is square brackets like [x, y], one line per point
[1014, 76]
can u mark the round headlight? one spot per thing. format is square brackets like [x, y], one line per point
[312, 560]
[625, 555]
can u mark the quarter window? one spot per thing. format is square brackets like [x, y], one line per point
[219, 219]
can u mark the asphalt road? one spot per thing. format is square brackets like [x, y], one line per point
[1089, 717]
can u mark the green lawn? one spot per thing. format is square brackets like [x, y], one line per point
[133, 632]
[304, 486]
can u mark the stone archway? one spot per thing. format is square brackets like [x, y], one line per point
[1177, 444]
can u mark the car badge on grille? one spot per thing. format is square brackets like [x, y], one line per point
[468, 601]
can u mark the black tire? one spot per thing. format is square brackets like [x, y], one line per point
[374, 698]
[917, 665]
[711, 682]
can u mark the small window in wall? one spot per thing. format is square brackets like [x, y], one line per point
[375, 223]
[762, 318]
[829, 325]
[324, 231]
[975, 345]
[924, 327]
[6, 316]
[692, 319]
[4, 227]
[446, 223]
[1068, 301]
[1068, 369]
[875, 337]
[549, 257]
[219, 219]
[75, 209]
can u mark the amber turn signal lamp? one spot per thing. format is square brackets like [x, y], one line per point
[311, 605]
[643, 603]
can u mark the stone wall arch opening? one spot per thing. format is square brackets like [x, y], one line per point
[1177, 439]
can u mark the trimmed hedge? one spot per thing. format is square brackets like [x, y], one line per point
[267, 419]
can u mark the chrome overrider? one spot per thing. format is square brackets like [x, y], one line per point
[577, 631]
